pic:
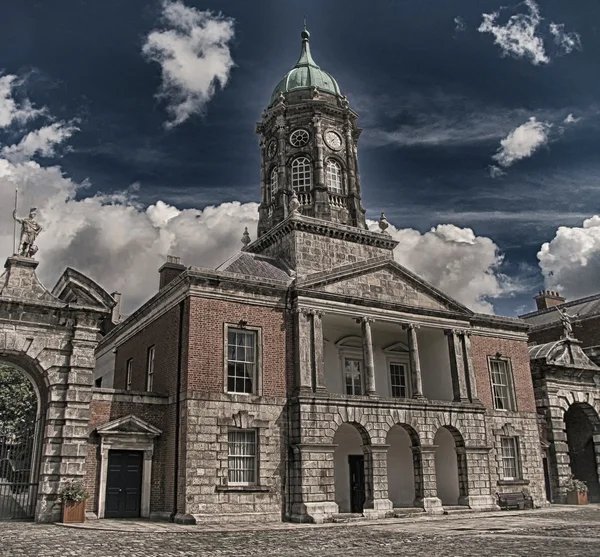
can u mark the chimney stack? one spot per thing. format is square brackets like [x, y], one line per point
[170, 271]
[548, 299]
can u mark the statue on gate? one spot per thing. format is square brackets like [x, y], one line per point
[567, 325]
[30, 230]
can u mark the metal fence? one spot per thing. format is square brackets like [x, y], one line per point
[19, 473]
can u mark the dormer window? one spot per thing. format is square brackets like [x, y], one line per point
[301, 174]
[333, 176]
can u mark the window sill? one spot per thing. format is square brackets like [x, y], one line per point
[513, 482]
[243, 489]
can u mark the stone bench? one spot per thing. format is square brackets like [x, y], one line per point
[517, 500]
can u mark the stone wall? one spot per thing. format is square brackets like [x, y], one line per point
[208, 419]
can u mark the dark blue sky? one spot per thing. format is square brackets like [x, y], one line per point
[434, 103]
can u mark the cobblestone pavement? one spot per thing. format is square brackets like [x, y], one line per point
[557, 532]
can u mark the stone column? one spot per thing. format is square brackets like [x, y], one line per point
[283, 187]
[317, 351]
[430, 502]
[365, 323]
[303, 356]
[415, 362]
[320, 193]
[377, 503]
[418, 475]
[470, 370]
[559, 451]
[457, 366]
[313, 483]
[475, 487]
[351, 185]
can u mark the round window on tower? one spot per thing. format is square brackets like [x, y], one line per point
[299, 138]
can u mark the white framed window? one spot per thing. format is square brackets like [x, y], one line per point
[333, 176]
[511, 469]
[150, 369]
[398, 379]
[129, 374]
[242, 360]
[502, 385]
[274, 181]
[242, 457]
[353, 376]
[301, 174]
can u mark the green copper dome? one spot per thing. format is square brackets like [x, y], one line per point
[306, 74]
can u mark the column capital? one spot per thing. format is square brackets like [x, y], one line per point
[410, 326]
[365, 319]
[450, 332]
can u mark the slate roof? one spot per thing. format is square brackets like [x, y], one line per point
[585, 307]
[254, 265]
[561, 352]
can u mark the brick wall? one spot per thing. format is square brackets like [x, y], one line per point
[162, 333]
[106, 408]
[516, 350]
[206, 358]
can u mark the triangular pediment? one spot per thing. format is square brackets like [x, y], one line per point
[384, 280]
[128, 425]
[74, 287]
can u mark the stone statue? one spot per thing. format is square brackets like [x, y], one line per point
[29, 232]
[294, 204]
[565, 319]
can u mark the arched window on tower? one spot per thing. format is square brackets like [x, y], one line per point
[333, 176]
[273, 183]
[301, 174]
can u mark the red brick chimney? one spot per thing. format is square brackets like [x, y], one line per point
[548, 299]
[170, 271]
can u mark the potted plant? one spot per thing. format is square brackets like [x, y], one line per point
[73, 497]
[577, 491]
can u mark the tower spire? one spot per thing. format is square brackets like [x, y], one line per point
[306, 58]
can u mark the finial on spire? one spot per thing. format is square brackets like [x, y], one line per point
[305, 34]
[383, 224]
[246, 237]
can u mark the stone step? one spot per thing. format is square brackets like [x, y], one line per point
[346, 517]
[406, 512]
[457, 509]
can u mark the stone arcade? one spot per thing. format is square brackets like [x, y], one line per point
[309, 375]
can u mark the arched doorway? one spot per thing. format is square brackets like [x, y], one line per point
[21, 417]
[450, 466]
[581, 422]
[404, 466]
[351, 481]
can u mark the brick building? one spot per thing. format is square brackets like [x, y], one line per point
[310, 374]
[564, 352]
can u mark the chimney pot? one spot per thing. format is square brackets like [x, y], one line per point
[548, 298]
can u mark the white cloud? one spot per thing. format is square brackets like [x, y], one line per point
[518, 36]
[570, 262]
[10, 110]
[455, 260]
[192, 49]
[40, 142]
[521, 143]
[568, 42]
[459, 24]
[570, 119]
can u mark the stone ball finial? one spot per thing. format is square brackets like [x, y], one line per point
[383, 224]
[246, 237]
[294, 204]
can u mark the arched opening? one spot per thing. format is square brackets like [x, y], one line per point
[351, 483]
[581, 421]
[450, 466]
[404, 466]
[21, 417]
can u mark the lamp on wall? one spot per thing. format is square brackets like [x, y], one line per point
[242, 323]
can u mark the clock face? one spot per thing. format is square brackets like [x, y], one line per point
[333, 140]
[299, 138]
[272, 148]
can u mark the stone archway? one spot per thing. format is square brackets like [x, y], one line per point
[352, 474]
[581, 424]
[450, 466]
[405, 474]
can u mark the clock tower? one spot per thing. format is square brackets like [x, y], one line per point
[308, 138]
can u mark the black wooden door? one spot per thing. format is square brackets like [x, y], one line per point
[123, 484]
[357, 482]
